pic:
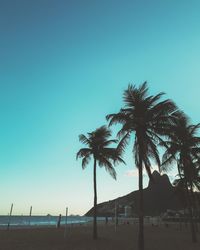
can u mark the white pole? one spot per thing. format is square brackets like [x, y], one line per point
[30, 215]
[10, 216]
[66, 222]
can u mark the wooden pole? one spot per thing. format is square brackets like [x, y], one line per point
[66, 222]
[10, 216]
[116, 216]
[30, 215]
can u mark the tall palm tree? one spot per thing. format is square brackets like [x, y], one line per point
[145, 117]
[179, 185]
[193, 184]
[183, 146]
[98, 143]
[196, 176]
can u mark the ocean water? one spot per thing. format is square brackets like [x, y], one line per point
[38, 221]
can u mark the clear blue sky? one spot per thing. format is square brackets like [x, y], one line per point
[63, 67]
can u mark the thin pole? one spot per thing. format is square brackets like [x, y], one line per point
[66, 222]
[30, 215]
[10, 216]
[116, 219]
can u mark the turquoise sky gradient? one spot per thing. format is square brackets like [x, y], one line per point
[63, 68]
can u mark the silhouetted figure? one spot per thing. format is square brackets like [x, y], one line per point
[59, 220]
[106, 219]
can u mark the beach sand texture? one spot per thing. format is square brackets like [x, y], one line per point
[79, 238]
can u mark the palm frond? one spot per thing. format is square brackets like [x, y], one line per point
[85, 161]
[123, 143]
[147, 165]
[108, 142]
[116, 118]
[84, 139]
[167, 163]
[83, 152]
[103, 162]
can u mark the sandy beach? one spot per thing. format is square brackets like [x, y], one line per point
[79, 238]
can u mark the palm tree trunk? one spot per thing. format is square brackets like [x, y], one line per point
[189, 205]
[141, 212]
[194, 207]
[185, 217]
[95, 203]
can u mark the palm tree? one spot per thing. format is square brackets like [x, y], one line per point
[196, 176]
[179, 186]
[145, 117]
[183, 146]
[97, 148]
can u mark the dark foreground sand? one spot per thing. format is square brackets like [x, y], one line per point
[79, 238]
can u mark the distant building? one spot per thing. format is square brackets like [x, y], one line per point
[127, 211]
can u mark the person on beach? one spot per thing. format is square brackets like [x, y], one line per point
[59, 220]
[106, 218]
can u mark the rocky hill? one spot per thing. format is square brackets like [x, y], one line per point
[158, 197]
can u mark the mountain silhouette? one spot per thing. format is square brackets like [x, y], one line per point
[159, 196]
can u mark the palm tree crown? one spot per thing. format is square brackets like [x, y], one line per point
[98, 142]
[147, 117]
[183, 146]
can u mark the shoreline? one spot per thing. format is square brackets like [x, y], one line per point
[102, 221]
